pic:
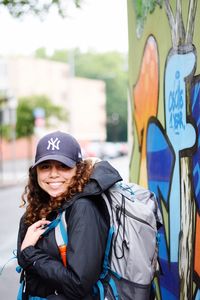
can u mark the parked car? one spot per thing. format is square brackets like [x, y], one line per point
[104, 150]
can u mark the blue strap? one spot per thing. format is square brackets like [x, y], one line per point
[63, 232]
[106, 268]
[108, 247]
[18, 269]
[53, 224]
[20, 291]
[13, 257]
[101, 289]
[113, 286]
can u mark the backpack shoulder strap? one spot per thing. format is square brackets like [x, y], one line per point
[61, 231]
[60, 226]
[62, 238]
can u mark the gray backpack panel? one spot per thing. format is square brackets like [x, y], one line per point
[134, 214]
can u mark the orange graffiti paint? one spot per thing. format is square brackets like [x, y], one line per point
[145, 97]
[197, 247]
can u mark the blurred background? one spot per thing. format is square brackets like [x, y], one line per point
[62, 67]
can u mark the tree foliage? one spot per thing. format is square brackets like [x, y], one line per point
[20, 8]
[142, 9]
[25, 113]
[112, 68]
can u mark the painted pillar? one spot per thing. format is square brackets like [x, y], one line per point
[164, 81]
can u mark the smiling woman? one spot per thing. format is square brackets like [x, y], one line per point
[61, 181]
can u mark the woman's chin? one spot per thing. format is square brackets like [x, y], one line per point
[55, 194]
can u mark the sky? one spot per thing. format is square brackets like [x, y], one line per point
[100, 25]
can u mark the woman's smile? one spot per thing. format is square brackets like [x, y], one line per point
[55, 185]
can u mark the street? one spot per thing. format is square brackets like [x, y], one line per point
[10, 213]
[9, 221]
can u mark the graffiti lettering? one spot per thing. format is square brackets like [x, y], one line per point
[175, 105]
[176, 122]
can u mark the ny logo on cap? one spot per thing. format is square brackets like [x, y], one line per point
[53, 144]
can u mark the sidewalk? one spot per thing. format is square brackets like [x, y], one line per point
[14, 172]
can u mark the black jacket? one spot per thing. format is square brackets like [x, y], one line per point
[87, 235]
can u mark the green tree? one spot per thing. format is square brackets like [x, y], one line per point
[60, 55]
[25, 113]
[20, 8]
[117, 108]
[41, 53]
[112, 68]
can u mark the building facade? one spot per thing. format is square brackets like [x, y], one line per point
[79, 97]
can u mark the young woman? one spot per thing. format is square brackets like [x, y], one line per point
[61, 180]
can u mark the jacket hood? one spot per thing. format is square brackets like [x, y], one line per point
[102, 178]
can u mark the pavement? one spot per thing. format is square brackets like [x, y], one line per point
[14, 172]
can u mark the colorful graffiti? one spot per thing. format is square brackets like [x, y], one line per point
[169, 151]
[143, 110]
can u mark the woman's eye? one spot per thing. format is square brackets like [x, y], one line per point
[62, 166]
[43, 166]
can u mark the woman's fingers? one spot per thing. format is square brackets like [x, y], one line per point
[33, 233]
[39, 224]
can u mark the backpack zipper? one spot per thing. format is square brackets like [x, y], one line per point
[124, 211]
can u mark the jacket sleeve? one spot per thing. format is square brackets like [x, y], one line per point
[87, 235]
[21, 234]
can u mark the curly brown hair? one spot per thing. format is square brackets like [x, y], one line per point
[40, 204]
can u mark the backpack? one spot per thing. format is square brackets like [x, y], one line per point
[132, 248]
[130, 259]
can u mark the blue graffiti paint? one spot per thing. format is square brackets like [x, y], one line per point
[197, 295]
[160, 160]
[195, 101]
[169, 281]
[180, 133]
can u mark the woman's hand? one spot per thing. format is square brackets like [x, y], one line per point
[33, 233]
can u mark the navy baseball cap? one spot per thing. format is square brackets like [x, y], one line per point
[58, 146]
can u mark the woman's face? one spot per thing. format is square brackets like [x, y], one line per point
[54, 177]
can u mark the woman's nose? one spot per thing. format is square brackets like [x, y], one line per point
[53, 171]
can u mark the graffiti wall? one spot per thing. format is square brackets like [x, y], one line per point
[164, 81]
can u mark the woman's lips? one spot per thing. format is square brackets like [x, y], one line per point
[55, 185]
